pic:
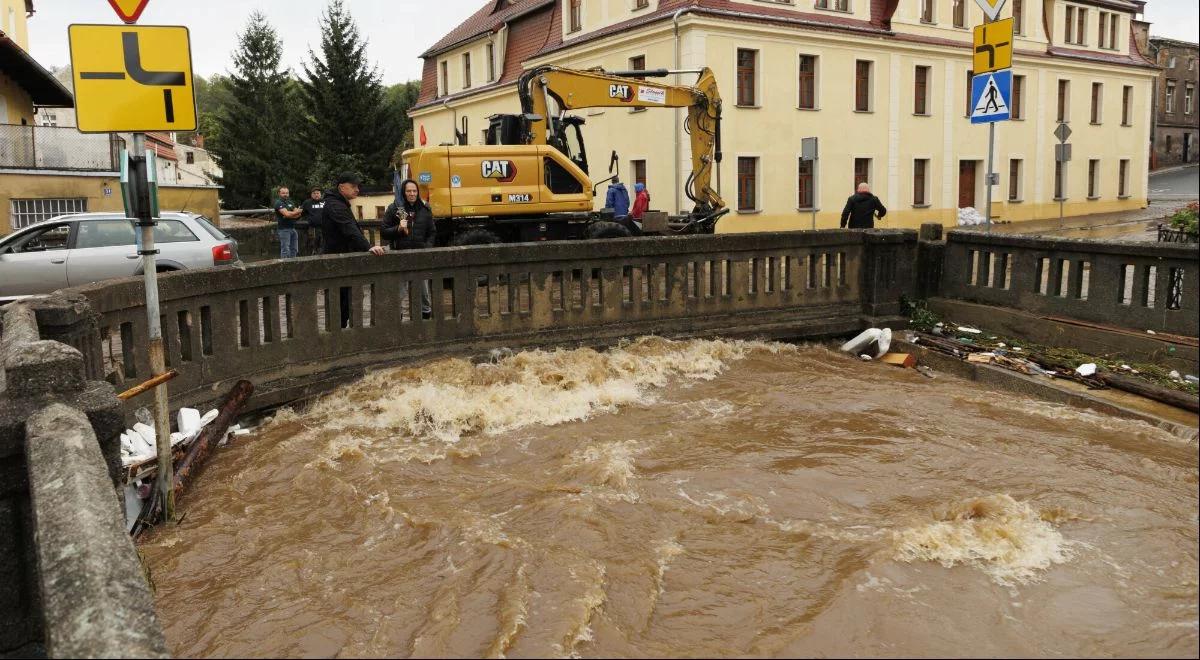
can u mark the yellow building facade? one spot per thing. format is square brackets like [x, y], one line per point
[882, 85]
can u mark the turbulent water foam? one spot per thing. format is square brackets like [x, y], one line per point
[446, 400]
[1007, 539]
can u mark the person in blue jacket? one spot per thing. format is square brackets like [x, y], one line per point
[617, 198]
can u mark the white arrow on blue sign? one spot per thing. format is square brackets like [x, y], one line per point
[991, 94]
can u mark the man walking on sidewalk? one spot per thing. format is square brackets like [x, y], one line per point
[862, 208]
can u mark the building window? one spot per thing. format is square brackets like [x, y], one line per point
[637, 63]
[747, 184]
[466, 70]
[1014, 180]
[746, 60]
[445, 78]
[1169, 106]
[862, 171]
[1093, 169]
[1189, 95]
[576, 15]
[1081, 28]
[1018, 16]
[1123, 178]
[1126, 104]
[641, 4]
[25, 212]
[1102, 34]
[1114, 20]
[1060, 184]
[1171, 62]
[920, 183]
[805, 185]
[862, 86]
[838, 5]
[927, 13]
[1018, 97]
[960, 13]
[491, 62]
[921, 90]
[808, 82]
[639, 171]
[190, 158]
[1064, 100]
[1069, 26]
[1097, 102]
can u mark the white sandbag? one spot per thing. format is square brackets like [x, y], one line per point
[861, 341]
[883, 343]
[208, 418]
[189, 420]
[1087, 369]
[148, 436]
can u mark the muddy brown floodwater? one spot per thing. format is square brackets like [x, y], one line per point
[699, 498]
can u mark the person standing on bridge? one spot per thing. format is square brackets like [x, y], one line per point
[285, 224]
[862, 208]
[310, 212]
[340, 231]
[409, 226]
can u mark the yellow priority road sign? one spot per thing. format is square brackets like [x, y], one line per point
[993, 46]
[132, 78]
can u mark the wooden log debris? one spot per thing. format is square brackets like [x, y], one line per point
[213, 433]
[148, 385]
[1151, 391]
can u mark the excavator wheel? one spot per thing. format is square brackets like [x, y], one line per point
[475, 237]
[608, 230]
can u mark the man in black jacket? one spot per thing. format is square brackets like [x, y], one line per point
[861, 209]
[341, 232]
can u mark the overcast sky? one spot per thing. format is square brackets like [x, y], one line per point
[398, 30]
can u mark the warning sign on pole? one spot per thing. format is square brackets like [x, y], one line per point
[993, 46]
[131, 78]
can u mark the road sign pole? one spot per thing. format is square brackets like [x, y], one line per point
[988, 195]
[162, 423]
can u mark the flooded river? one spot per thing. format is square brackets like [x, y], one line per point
[684, 499]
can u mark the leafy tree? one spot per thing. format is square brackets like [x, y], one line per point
[350, 123]
[400, 98]
[254, 120]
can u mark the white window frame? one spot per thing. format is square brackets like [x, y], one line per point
[816, 80]
[24, 212]
[1189, 98]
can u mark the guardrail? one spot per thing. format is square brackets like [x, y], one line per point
[1169, 234]
[279, 323]
[1140, 286]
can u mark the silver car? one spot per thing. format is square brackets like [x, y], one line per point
[77, 249]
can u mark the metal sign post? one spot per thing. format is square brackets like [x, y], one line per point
[1062, 154]
[990, 100]
[118, 89]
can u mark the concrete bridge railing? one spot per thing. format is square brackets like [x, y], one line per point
[1142, 286]
[278, 323]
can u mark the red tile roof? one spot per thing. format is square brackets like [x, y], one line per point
[490, 17]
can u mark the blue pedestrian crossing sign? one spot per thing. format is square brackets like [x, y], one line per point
[991, 94]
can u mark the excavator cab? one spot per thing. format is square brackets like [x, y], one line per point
[566, 134]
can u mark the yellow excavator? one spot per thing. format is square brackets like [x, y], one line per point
[530, 181]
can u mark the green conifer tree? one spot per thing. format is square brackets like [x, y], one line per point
[256, 138]
[350, 124]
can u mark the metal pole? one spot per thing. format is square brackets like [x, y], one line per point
[162, 423]
[988, 182]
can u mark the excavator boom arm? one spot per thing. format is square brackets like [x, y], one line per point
[572, 89]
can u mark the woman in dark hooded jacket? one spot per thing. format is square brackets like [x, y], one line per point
[409, 225]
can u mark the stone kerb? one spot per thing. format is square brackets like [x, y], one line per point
[57, 498]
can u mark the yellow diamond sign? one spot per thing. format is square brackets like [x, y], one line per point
[993, 46]
[132, 78]
[991, 8]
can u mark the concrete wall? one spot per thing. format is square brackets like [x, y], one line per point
[71, 584]
[102, 191]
